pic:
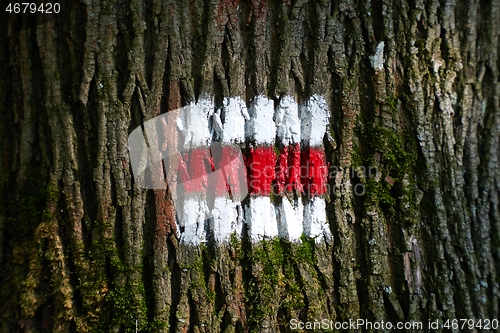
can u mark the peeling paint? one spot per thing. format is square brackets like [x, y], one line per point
[377, 60]
[314, 116]
[287, 121]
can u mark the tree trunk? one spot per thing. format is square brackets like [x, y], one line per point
[411, 140]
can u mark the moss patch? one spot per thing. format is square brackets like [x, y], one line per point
[396, 156]
[274, 287]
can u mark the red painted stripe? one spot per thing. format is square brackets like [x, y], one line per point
[288, 171]
[304, 171]
[193, 169]
[228, 180]
[261, 163]
[195, 166]
[314, 171]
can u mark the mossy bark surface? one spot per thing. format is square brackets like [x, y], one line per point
[84, 249]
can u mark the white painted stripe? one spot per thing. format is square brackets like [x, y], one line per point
[287, 121]
[260, 218]
[193, 215]
[315, 223]
[235, 112]
[226, 219]
[261, 126]
[290, 216]
[260, 215]
[290, 219]
[193, 123]
[194, 126]
[314, 119]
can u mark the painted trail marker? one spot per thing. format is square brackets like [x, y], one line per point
[178, 144]
[196, 151]
[289, 214]
[314, 120]
[260, 215]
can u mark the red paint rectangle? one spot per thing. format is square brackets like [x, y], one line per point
[261, 163]
[304, 171]
[314, 171]
[193, 169]
[288, 171]
[228, 179]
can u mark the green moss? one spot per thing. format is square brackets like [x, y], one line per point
[262, 290]
[236, 247]
[305, 251]
[277, 152]
[392, 101]
[396, 160]
[272, 196]
[273, 286]
[199, 275]
[420, 45]
[385, 141]
[356, 155]
[126, 309]
[378, 192]
[125, 301]
[270, 255]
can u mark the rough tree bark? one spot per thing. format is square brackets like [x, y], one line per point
[86, 250]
